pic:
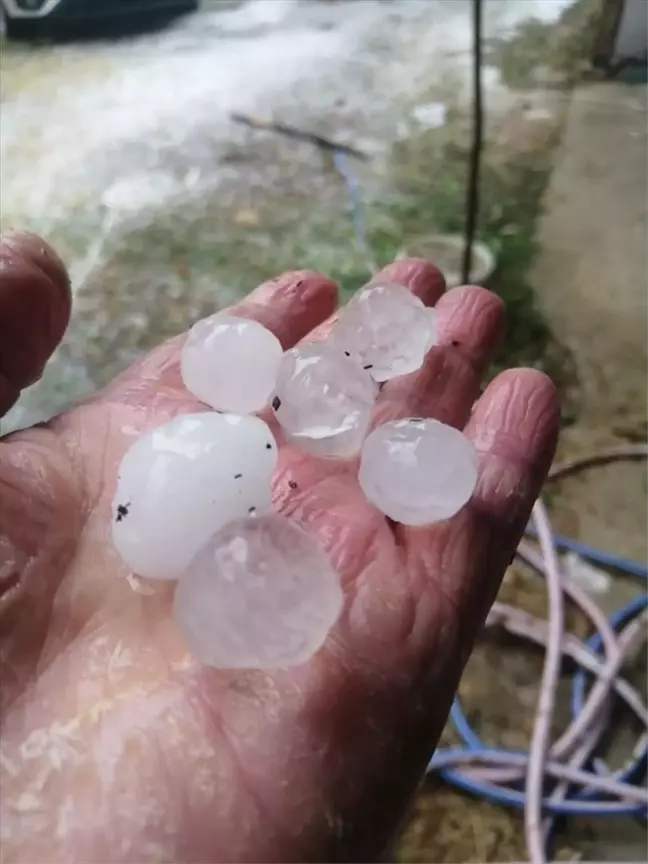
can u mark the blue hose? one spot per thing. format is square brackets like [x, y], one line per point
[605, 559]
[585, 801]
[595, 643]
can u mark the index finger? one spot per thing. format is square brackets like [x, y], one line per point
[290, 306]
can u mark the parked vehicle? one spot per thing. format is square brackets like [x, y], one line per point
[54, 19]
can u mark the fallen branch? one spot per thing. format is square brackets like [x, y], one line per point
[299, 135]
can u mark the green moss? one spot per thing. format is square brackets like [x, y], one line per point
[425, 195]
[537, 48]
[519, 58]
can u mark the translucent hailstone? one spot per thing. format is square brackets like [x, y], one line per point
[324, 399]
[417, 471]
[387, 328]
[260, 594]
[231, 363]
[182, 481]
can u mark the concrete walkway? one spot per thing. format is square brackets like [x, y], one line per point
[591, 282]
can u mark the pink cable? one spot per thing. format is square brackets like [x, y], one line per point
[607, 785]
[550, 676]
[572, 735]
[579, 726]
[582, 736]
[522, 624]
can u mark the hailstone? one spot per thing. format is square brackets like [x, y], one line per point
[324, 399]
[387, 328]
[181, 482]
[260, 594]
[230, 363]
[417, 471]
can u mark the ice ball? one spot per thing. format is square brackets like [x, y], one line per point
[231, 363]
[417, 471]
[260, 594]
[182, 481]
[387, 328]
[324, 400]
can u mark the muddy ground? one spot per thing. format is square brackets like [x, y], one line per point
[125, 155]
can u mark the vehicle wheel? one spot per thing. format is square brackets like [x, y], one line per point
[18, 30]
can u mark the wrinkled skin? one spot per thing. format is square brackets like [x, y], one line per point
[115, 745]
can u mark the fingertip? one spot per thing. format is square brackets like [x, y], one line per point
[520, 408]
[470, 324]
[472, 320]
[34, 250]
[35, 305]
[291, 305]
[514, 428]
[419, 275]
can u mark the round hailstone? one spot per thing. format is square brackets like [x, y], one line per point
[323, 400]
[417, 471]
[181, 482]
[231, 363]
[260, 594]
[387, 328]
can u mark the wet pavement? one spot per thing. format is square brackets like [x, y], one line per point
[101, 141]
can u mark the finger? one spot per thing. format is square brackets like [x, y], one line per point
[290, 306]
[421, 277]
[35, 304]
[514, 428]
[470, 325]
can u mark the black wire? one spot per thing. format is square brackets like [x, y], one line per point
[472, 196]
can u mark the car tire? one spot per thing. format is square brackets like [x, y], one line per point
[18, 30]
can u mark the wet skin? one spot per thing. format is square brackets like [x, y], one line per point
[115, 746]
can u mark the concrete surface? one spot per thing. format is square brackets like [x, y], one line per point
[591, 283]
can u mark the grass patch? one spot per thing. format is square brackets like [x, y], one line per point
[537, 47]
[425, 194]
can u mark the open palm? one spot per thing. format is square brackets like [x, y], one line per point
[115, 745]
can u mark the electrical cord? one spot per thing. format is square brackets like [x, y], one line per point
[474, 167]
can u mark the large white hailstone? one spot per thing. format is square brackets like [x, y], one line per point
[387, 328]
[324, 400]
[182, 481]
[417, 471]
[231, 363]
[260, 594]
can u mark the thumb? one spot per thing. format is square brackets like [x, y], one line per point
[35, 304]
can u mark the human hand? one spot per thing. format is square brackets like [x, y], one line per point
[115, 745]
